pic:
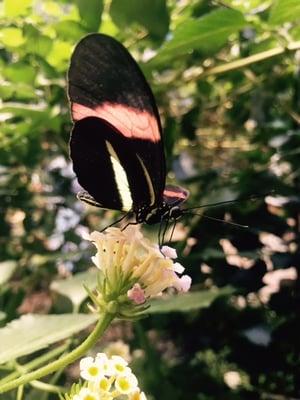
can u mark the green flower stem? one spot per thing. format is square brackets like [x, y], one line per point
[46, 387]
[21, 369]
[62, 362]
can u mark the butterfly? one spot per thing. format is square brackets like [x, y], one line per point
[116, 143]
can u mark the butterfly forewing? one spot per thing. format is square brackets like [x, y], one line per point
[116, 144]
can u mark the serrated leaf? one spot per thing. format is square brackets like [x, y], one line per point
[208, 34]
[152, 14]
[7, 268]
[284, 11]
[34, 332]
[187, 302]
[90, 12]
[73, 287]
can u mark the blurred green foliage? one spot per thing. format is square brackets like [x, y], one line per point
[226, 78]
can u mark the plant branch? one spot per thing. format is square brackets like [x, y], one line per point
[244, 62]
[62, 362]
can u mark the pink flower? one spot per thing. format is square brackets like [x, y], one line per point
[184, 283]
[169, 252]
[136, 294]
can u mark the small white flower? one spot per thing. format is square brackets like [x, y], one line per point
[232, 379]
[86, 394]
[126, 384]
[137, 395]
[105, 364]
[91, 370]
[119, 366]
[103, 385]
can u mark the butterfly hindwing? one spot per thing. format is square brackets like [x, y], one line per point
[175, 195]
[111, 102]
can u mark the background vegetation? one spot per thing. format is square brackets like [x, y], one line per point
[226, 79]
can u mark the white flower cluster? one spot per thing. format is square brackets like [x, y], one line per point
[107, 379]
[128, 254]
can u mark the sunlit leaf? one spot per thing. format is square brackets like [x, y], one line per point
[152, 14]
[7, 268]
[73, 287]
[284, 11]
[248, 5]
[14, 8]
[207, 34]
[12, 37]
[90, 12]
[187, 302]
[60, 54]
[34, 332]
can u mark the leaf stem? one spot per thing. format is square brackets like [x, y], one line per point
[62, 362]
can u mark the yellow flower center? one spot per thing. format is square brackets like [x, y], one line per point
[93, 371]
[120, 367]
[89, 397]
[124, 384]
[104, 384]
[136, 396]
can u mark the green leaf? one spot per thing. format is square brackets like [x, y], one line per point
[14, 8]
[20, 72]
[73, 287]
[7, 268]
[152, 14]
[208, 34]
[34, 332]
[36, 42]
[90, 11]
[69, 30]
[187, 302]
[284, 11]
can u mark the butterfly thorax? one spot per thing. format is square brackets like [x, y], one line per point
[153, 215]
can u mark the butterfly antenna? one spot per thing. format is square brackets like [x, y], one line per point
[221, 220]
[221, 203]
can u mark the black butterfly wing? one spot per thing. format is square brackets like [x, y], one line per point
[116, 118]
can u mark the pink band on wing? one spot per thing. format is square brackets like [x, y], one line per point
[131, 122]
[178, 195]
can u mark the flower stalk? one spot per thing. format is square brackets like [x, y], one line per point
[131, 271]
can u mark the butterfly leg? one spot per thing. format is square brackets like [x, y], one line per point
[115, 222]
[173, 229]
